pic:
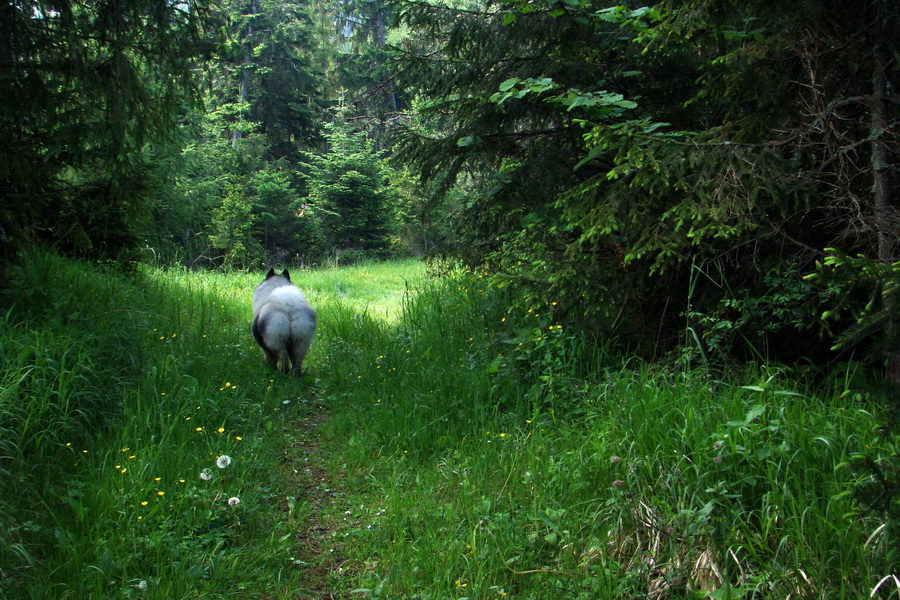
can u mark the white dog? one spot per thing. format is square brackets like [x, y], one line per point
[283, 322]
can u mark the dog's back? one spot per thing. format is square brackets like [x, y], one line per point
[283, 322]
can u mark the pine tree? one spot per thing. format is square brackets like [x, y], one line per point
[638, 165]
[232, 230]
[349, 191]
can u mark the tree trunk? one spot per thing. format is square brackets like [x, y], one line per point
[881, 192]
[247, 69]
[881, 167]
[382, 40]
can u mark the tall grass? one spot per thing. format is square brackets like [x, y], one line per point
[496, 455]
[473, 452]
[117, 397]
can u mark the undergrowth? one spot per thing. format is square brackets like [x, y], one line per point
[496, 455]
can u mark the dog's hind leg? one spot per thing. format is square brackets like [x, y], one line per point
[297, 362]
[259, 333]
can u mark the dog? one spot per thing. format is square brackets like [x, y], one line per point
[283, 322]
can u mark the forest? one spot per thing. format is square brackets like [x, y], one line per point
[568, 208]
[729, 168]
[725, 168]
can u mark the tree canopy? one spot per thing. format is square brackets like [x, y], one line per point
[643, 165]
[84, 88]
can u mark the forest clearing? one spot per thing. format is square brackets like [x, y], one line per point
[441, 445]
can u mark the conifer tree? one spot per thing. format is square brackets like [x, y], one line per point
[640, 166]
[349, 191]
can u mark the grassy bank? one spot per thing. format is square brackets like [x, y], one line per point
[469, 451]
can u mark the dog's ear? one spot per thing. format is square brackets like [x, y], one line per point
[271, 273]
[286, 275]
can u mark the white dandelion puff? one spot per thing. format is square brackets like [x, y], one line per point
[206, 474]
[234, 501]
[223, 461]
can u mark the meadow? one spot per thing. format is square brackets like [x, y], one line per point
[440, 445]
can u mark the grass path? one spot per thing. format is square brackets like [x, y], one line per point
[358, 293]
[120, 399]
[311, 484]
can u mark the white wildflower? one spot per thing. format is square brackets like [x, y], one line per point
[223, 461]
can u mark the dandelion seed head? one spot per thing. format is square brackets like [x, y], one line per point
[206, 474]
[223, 461]
[234, 501]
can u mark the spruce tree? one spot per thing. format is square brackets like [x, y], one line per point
[349, 191]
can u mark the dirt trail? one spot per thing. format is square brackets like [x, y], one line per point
[316, 550]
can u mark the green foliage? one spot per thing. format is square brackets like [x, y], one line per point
[492, 453]
[265, 78]
[424, 220]
[287, 221]
[743, 320]
[85, 87]
[844, 276]
[872, 330]
[349, 191]
[232, 226]
[606, 149]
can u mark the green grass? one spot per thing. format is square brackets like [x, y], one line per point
[116, 393]
[495, 455]
[470, 451]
